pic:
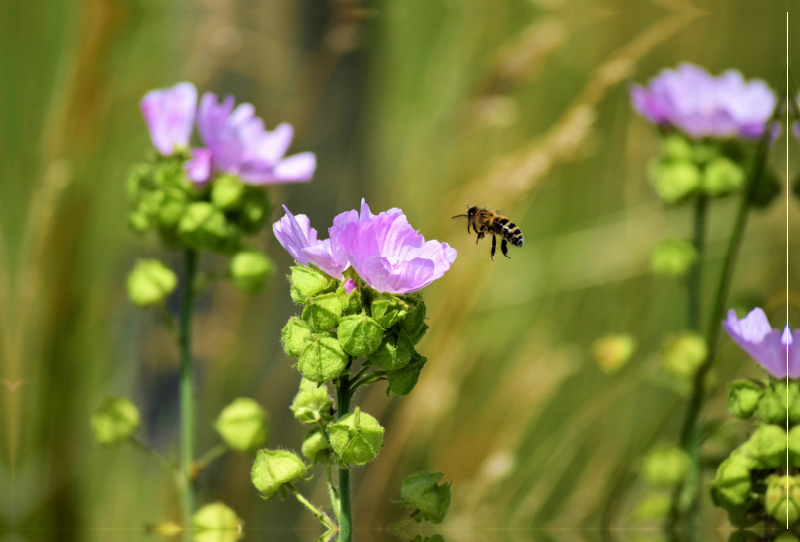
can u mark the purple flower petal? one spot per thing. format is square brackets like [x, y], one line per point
[349, 286]
[766, 345]
[294, 169]
[794, 354]
[198, 168]
[700, 105]
[295, 233]
[169, 114]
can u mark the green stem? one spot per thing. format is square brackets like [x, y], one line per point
[207, 458]
[333, 492]
[395, 527]
[319, 514]
[685, 498]
[695, 278]
[187, 382]
[158, 458]
[345, 514]
[367, 379]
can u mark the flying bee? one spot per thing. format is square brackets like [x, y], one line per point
[484, 221]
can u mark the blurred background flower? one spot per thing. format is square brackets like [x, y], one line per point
[521, 106]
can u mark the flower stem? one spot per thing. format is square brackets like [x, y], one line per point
[394, 528]
[345, 515]
[162, 462]
[333, 492]
[207, 458]
[319, 514]
[684, 497]
[695, 278]
[187, 382]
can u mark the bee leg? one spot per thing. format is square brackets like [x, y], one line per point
[494, 245]
[504, 248]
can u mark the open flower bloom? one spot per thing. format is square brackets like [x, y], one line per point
[169, 114]
[236, 142]
[389, 255]
[771, 348]
[693, 101]
[299, 239]
[385, 251]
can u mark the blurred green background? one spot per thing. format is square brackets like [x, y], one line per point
[520, 105]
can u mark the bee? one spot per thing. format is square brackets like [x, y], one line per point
[485, 221]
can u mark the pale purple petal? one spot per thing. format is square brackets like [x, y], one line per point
[693, 101]
[349, 286]
[169, 114]
[321, 256]
[295, 233]
[198, 168]
[297, 168]
[794, 355]
[273, 145]
[754, 334]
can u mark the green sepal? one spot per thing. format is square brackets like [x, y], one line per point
[307, 282]
[227, 192]
[274, 468]
[294, 336]
[394, 352]
[674, 181]
[150, 283]
[322, 358]
[315, 447]
[215, 523]
[672, 257]
[674, 146]
[114, 421]
[743, 397]
[354, 305]
[794, 402]
[767, 445]
[402, 381]
[359, 334]
[356, 437]
[312, 404]
[722, 176]
[414, 320]
[421, 491]
[666, 465]
[794, 447]
[386, 310]
[322, 311]
[250, 271]
[732, 484]
[243, 425]
[782, 499]
[772, 405]
[253, 210]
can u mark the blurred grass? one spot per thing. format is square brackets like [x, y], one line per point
[519, 105]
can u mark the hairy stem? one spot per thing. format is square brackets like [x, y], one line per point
[395, 527]
[319, 514]
[162, 462]
[207, 458]
[345, 515]
[187, 382]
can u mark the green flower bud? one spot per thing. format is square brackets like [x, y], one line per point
[172, 207]
[772, 406]
[767, 445]
[666, 466]
[322, 358]
[402, 381]
[722, 176]
[307, 282]
[204, 226]
[786, 537]
[731, 485]
[150, 202]
[745, 516]
[273, 468]
[215, 523]
[672, 257]
[676, 147]
[394, 352]
[354, 305]
[294, 337]
[243, 425]
[417, 337]
[138, 221]
[227, 192]
[150, 283]
[312, 404]
[794, 447]
[652, 506]
[386, 310]
[253, 210]
[684, 353]
[356, 437]
[322, 311]
[782, 500]
[315, 447]
[359, 334]
[743, 397]
[674, 181]
[613, 352]
[251, 270]
[138, 178]
[421, 491]
[114, 421]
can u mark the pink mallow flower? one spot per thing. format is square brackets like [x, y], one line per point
[700, 105]
[237, 143]
[169, 114]
[388, 254]
[771, 348]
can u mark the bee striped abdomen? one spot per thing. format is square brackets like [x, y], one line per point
[510, 231]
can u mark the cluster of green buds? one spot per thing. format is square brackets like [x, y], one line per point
[754, 483]
[686, 168]
[214, 217]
